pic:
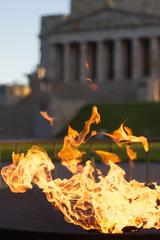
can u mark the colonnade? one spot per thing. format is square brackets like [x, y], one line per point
[109, 60]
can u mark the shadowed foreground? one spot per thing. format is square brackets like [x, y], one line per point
[30, 216]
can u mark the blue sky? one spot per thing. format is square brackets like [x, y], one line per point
[19, 43]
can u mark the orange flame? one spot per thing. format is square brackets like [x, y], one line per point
[107, 156]
[87, 65]
[93, 86]
[124, 135]
[70, 156]
[34, 167]
[47, 117]
[107, 204]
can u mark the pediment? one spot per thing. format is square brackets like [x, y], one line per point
[106, 19]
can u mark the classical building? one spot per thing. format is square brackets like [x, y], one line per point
[105, 50]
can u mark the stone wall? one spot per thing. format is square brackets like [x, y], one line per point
[23, 122]
[78, 7]
[17, 122]
[146, 6]
[48, 23]
[64, 110]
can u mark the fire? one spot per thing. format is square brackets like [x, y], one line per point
[92, 85]
[87, 65]
[87, 68]
[70, 155]
[107, 156]
[47, 117]
[124, 135]
[34, 167]
[107, 203]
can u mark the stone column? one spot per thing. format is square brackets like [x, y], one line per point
[136, 59]
[54, 63]
[118, 60]
[155, 58]
[67, 62]
[83, 59]
[101, 61]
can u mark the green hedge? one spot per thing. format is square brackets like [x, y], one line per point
[143, 118]
[52, 149]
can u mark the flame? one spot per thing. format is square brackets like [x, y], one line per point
[47, 117]
[70, 156]
[124, 135]
[87, 65]
[87, 68]
[34, 167]
[107, 156]
[107, 203]
[93, 86]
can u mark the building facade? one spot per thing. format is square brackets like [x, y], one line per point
[12, 94]
[119, 40]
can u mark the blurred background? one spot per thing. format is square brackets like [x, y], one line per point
[61, 57]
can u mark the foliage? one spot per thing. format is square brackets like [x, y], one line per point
[89, 149]
[142, 118]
